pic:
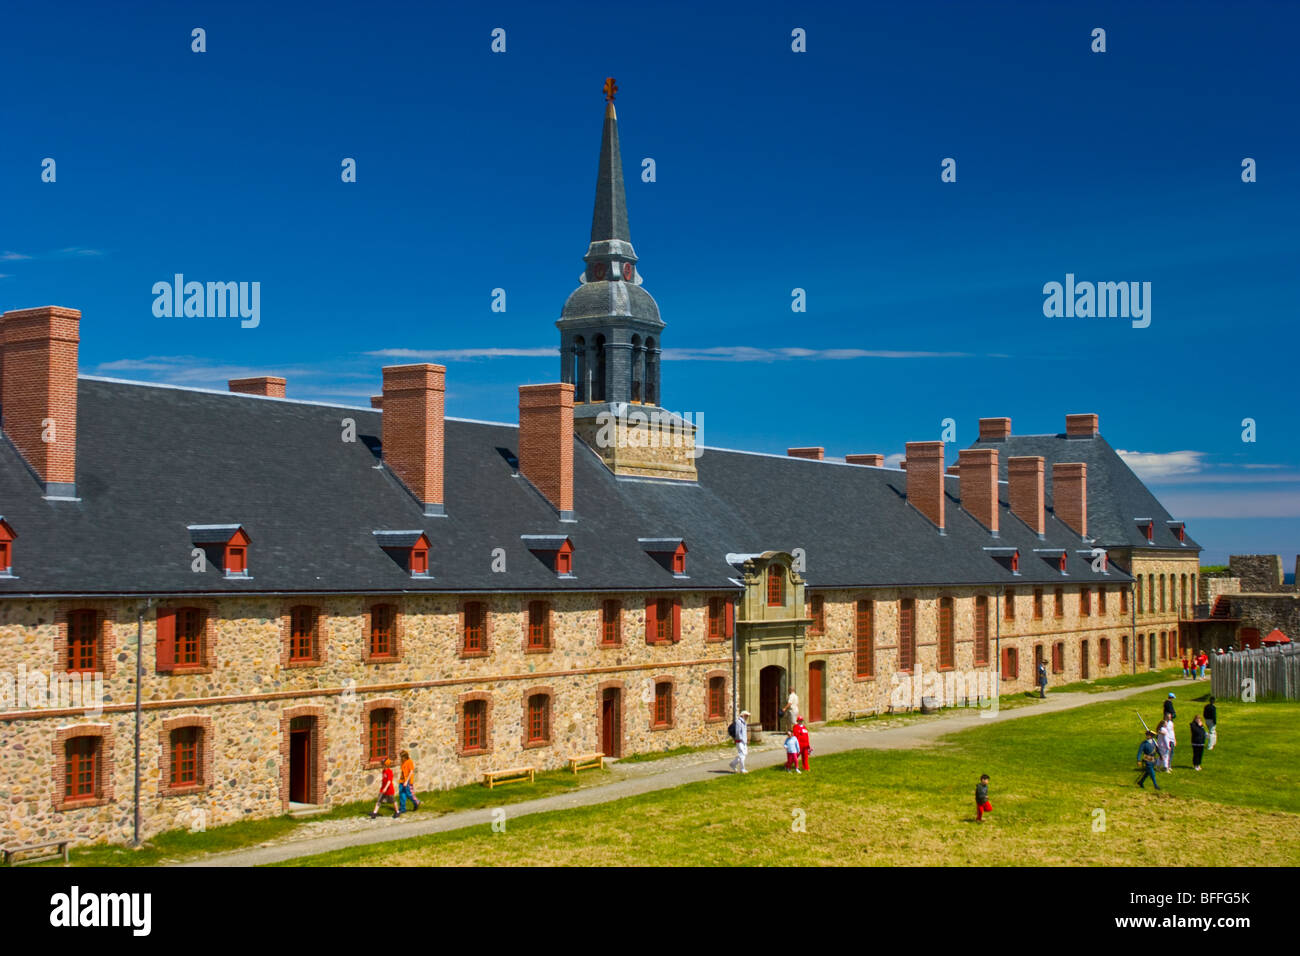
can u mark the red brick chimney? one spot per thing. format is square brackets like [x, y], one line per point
[816, 454]
[925, 478]
[412, 430]
[38, 393]
[995, 429]
[1070, 494]
[377, 401]
[979, 485]
[1081, 426]
[546, 442]
[954, 470]
[267, 385]
[1025, 476]
[876, 460]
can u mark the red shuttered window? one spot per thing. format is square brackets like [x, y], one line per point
[865, 640]
[906, 634]
[981, 630]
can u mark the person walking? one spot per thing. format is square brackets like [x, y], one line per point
[386, 792]
[1162, 744]
[1148, 752]
[805, 747]
[740, 732]
[1198, 741]
[1187, 668]
[792, 708]
[406, 784]
[1202, 660]
[1169, 761]
[982, 805]
[792, 752]
[1042, 679]
[1169, 706]
[1211, 715]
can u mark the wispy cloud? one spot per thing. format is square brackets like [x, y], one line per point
[80, 251]
[1236, 504]
[1153, 466]
[465, 355]
[894, 460]
[12, 256]
[751, 353]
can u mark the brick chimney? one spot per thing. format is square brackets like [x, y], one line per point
[267, 385]
[877, 460]
[995, 429]
[412, 431]
[925, 478]
[546, 442]
[1070, 494]
[377, 401]
[1081, 426]
[38, 393]
[954, 470]
[1025, 476]
[816, 454]
[979, 485]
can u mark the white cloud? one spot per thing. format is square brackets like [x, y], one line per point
[462, 355]
[1152, 465]
[750, 353]
[893, 461]
[12, 256]
[1251, 504]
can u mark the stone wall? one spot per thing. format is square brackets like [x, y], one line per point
[1259, 573]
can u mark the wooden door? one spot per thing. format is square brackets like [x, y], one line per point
[1083, 660]
[769, 697]
[300, 764]
[1152, 661]
[611, 722]
[816, 690]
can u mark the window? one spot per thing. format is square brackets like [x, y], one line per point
[717, 698]
[538, 721]
[83, 641]
[1139, 594]
[539, 626]
[981, 629]
[182, 639]
[419, 560]
[189, 637]
[817, 611]
[474, 726]
[1123, 601]
[679, 560]
[1058, 657]
[947, 646]
[474, 635]
[611, 621]
[717, 607]
[383, 630]
[865, 640]
[564, 558]
[775, 585]
[1104, 652]
[1162, 592]
[663, 620]
[1038, 604]
[1010, 663]
[1101, 600]
[1123, 647]
[663, 716]
[1141, 648]
[906, 634]
[236, 560]
[81, 768]
[1009, 605]
[1038, 658]
[1085, 602]
[302, 634]
[6, 563]
[185, 757]
[1059, 597]
[1151, 593]
[382, 732]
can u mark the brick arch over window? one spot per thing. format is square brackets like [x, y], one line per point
[103, 765]
[286, 634]
[713, 714]
[206, 745]
[374, 615]
[102, 629]
[185, 637]
[395, 731]
[527, 739]
[474, 629]
[318, 748]
[463, 703]
[661, 706]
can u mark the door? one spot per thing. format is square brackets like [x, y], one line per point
[301, 761]
[1249, 637]
[770, 701]
[1152, 661]
[611, 722]
[1083, 660]
[816, 690]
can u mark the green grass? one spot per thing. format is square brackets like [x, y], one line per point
[673, 752]
[1053, 776]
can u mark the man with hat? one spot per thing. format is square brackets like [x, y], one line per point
[1169, 706]
[1147, 761]
[741, 732]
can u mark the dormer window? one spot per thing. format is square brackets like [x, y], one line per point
[564, 558]
[553, 550]
[1178, 528]
[7, 536]
[1007, 557]
[225, 545]
[1054, 556]
[1061, 564]
[1147, 527]
[775, 585]
[409, 549]
[670, 553]
[1015, 562]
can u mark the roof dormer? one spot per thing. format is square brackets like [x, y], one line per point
[410, 549]
[225, 545]
[1147, 527]
[1009, 558]
[7, 535]
[1178, 528]
[1053, 556]
[553, 550]
[669, 552]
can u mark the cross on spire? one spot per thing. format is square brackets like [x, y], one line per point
[610, 89]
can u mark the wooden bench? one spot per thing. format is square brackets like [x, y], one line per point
[587, 762]
[494, 777]
[60, 850]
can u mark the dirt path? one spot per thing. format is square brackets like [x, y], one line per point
[630, 779]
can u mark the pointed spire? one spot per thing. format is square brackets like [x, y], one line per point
[609, 218]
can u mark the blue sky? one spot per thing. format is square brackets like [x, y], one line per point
[775, 170]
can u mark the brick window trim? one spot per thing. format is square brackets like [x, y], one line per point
[818, 625]
[208, 646]
[318, 747]
[1010, 655]
[461, 701]
[548, 692]
[618, 624]
[206, 750]
[726, 695]
[107, 650]
[381, 703]
[654, 697]
[550, 624]
[870, 675]
[487, 630]
[322, 635]
[722, 620]
[399, 631]
[104, 784]
[1058, 657]
[674, 610]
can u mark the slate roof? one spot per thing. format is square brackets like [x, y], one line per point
[1116, 496]
[154, 460]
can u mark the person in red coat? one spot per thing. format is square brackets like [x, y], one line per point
[386, 792]
[800, 730]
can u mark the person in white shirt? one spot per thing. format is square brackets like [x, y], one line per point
[792, 708]
[742, 743]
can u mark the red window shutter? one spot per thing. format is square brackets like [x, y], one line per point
[165, 629]
[730, 618]
[677, 619]
[651, 621]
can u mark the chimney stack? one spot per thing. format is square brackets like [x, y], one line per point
[876, 460]
[412, 430]
[1025, 476]
[979, 485]
[377, 401]
[546, 442]
[267, 385]
[925, 478]
[1081, 426]
[1070, 494]
[995, 429]
[816, 454]
[38, 392]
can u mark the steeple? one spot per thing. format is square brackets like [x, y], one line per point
[609, 218]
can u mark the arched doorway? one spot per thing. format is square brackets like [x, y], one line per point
[611, 722]
[816, 692]
[771, 696]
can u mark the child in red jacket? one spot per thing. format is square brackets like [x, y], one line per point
[800, 730]
[386, 791]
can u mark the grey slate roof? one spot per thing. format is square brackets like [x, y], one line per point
[1116, 496]
[153, 460]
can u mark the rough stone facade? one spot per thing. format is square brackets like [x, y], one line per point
[645, 442]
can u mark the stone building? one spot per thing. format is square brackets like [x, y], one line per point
[1242, 606]
[305, 589]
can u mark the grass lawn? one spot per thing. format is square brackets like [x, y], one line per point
[1051, 775]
